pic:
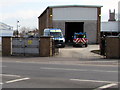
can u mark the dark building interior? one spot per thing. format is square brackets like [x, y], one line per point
[71, 28]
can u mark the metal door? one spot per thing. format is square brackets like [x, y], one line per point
[25, 46]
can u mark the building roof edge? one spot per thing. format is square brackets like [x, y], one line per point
[60, 6]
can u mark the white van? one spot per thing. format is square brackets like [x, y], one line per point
[57, 36]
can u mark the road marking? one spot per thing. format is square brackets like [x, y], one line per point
[76, 69]
[2, 66]
[11, 81]
[18, 61]
[97, 81]
[1, 83]
[106, 86]
[17, 80]
[8, 75]
[93, 64]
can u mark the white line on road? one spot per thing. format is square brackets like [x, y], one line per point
[8, 75]
[76, 69]
[106, 86]
[16, 80]
[1, 83]
[2, 66]
[97, 81]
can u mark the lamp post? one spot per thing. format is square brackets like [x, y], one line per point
[17, 28]
[119, 16]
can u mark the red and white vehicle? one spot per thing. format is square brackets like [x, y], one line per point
[80, 39]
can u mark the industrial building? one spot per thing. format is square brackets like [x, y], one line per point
[5, 30]
[111, 27]
[71, 19]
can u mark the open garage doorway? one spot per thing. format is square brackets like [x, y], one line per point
[71, 28]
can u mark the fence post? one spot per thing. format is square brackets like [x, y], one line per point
[103, 46]
[6, 46]
[113, 47]
[46, 46]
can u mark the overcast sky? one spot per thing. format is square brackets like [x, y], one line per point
[27, 11]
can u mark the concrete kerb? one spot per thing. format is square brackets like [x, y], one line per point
[69, 55]
[57, 60]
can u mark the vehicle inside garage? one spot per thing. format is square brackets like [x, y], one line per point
[71, 28]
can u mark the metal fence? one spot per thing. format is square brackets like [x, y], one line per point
[25, 46]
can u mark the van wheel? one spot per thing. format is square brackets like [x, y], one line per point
[86, 45]
[74, 45]
[63, 46]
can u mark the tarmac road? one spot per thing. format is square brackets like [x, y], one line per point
[72, 68]
[38, 75]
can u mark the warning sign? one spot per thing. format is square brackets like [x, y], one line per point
[29, 42]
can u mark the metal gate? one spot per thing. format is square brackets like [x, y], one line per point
[25, 46]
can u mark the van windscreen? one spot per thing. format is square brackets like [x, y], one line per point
[56, 34]
[80, 36]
